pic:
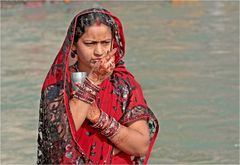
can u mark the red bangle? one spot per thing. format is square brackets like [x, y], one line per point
[102, 121]
[107, 125]
[112, 129]
[87, 91]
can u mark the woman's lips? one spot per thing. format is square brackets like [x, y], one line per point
[95, 60]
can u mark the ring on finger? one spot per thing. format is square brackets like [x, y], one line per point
[112, 64]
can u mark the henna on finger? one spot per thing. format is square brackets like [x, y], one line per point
[104, 68]
[113, 52]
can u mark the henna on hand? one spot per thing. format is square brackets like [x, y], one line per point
[103, 68]
[93, 113]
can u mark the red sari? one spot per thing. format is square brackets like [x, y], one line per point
[120, 97]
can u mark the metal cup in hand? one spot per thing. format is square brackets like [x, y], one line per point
[77, 77]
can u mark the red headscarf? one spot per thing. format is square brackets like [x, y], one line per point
[120, 97]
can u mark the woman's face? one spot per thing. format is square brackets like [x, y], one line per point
[93, 45]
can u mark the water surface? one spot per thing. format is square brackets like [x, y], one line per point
[185, 56]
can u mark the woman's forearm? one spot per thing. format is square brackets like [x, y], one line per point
[132, 141]
[79, 110]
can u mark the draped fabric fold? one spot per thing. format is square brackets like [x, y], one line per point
[120, 97]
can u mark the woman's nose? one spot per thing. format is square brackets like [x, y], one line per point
[98, 51]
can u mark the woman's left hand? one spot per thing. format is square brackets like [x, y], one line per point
[103, 68]
[93, 113]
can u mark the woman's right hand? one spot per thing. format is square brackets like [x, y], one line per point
[103, 68]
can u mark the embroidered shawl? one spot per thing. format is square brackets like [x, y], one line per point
[120, 96]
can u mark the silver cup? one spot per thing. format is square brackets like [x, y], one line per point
[77, 77]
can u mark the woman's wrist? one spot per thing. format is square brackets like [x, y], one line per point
[107, 125]
[87, 92]
[94, 79]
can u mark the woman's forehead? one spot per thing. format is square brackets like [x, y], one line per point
[97, 31]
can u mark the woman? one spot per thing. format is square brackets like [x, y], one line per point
[106, 119]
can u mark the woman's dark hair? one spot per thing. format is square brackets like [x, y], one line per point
[89, 19]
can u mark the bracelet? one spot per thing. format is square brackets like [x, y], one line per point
[102, 121]
[112, 129]
[107, 125]
[84, 97]
[92, 85]
[87, 91]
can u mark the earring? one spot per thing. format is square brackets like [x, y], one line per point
[73, 53]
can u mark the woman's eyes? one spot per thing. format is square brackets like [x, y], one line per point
[104, 43]
[89, 43]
